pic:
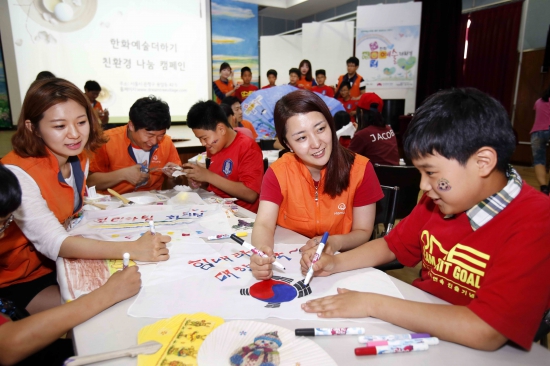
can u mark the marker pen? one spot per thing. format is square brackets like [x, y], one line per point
[392, 337]
[316, 257]
[308, 332]
[378, 350]
[240, 234]
[152, 226]
[432, 341]
[254, 250]
[125, 260]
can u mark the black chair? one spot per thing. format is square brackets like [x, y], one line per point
[544, 329]
[385, 215]
[266, 144]
[407, 178]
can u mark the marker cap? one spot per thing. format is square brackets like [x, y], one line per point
[126, 256]
[307, 332]
[419, 335]
[365, 351]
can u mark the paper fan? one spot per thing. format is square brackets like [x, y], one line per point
[238, 340]
[181, 337]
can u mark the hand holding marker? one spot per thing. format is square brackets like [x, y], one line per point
[254, 250]
[316, 257]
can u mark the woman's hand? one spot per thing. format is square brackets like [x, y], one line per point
[347, 304]
[323, 267]
[150, 248]
[262, 268]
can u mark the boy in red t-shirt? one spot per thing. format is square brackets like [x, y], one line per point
[321, 88]
[294, 76]
[246, 88]
[350, 105]
[272, 78]
[480, 232]
[236, 161]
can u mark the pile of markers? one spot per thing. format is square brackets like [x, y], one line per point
[377, 344]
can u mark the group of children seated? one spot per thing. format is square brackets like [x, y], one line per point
[479, 230]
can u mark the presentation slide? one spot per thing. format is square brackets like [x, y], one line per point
[132, 48]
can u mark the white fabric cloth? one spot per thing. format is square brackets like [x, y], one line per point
[35, 219]
[347, 130]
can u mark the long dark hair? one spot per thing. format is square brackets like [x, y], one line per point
[369, 117]
[309, 75]
[341, 159]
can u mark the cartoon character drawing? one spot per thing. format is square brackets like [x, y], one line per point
[263, 352]
[276, 290]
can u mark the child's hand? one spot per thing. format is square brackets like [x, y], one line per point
[262, 268]
[150, 248]
[347, 304]
[196, 173]
[323, 267]
[122, 284]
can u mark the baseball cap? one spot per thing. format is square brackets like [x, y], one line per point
[368, 98]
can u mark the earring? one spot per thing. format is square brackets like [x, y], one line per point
[291, 150]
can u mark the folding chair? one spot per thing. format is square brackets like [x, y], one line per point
[266, 144]
[407, 178]
[385, 214]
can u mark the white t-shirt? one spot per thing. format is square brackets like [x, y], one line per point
[141, 156]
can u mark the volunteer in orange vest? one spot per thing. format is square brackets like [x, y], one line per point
[92, 90]
[357, 83]
[56, 131]
[319, 186]
[224, 87]
[138, 156]
[306, 79]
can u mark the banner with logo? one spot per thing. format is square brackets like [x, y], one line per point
[388, 56]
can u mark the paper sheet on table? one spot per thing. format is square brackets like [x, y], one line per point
[216, 278]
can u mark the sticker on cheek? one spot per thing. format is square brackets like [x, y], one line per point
[443, 185]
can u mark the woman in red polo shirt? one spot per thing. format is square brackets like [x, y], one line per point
[319, 186]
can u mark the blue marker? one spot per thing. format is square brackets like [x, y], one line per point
[316, 257]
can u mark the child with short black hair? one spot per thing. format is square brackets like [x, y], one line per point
[238, 113]
[356, 81]
[321, 88]
[236, 168]
[480, 231]
[271, 78]
[246, 87]
[294, 75]
[350, 104]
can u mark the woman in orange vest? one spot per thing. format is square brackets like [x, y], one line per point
[319, 186]
[224, 87]
[56, 130]
[306, 78]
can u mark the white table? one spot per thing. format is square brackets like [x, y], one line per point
[113, 329]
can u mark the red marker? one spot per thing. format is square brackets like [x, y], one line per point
[378, 350]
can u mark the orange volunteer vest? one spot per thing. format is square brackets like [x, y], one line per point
[354, 91]
[19, 260]
[300, 212]
[224, 88]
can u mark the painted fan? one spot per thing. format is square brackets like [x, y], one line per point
[259, 106]
[248, 342]
[181, 337]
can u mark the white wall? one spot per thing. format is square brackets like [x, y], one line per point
[328, 46]
[280, 53]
